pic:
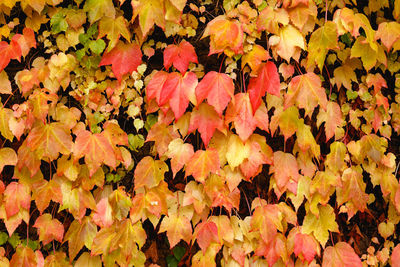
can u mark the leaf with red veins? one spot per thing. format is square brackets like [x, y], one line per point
[124, 58]
[254, 58]
[240, 112]
[218, 88]
[205, 119]
[205, 233]
[332, 117]
[183, 91]
[162, 134]
[8, 52]
[179, 56]
[342, 254]
[178, 227]
[49, 229]
[202, 163]
[306, 92]
[149, 172]
[285, 169]
[96, 149]
[16, 196]
[180, 153]
[267, 80]
[26, 40]
[225, 34]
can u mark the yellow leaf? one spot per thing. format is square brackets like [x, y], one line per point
[237, 151]
[113, 28]
[290, 42]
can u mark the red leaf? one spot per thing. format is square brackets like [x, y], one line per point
[395, 258]
[124, 58]
[218, 88]
[182, 92]
[205, 233]
[267, 80]
[8, 52]
[179, 56]
[206, 120]
[240, 113]
[26, 40]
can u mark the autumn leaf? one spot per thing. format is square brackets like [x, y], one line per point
[182, 90]
[237, 151]
[26, 41]
[149, 172]
[202, 163]
[5, 84]
[306, 92]
[321, 40]
[150, 12]
[285, 169]
[332, 117]
[267, 80]
[97, 9]
[8, 52]
[46, 192]
[96, 149]
[24, 256]
[7, 157]
[388, 33]
[206, 120]
[113, 28]
[240, 112]
[369, 56]
[124, 58]
[205, 233]
[80, 234]
[320, 226]
[162, 135]
[287, 120]
[254, 58]
[103, 215]
[218, 88]
[291, 41]
[395, 257]
[16, 196]
[180, 153]
[49, 229]
[179, 56]
[226, 35]
[177, 227]
[341, 254]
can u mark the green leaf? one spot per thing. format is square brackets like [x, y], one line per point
[97, 46]
[150, 121]
[14, 240]
[172, 261]
[179, 252]
[3, 238]
[33, 244]
[58, 23]
[135, 141]
[84, 38]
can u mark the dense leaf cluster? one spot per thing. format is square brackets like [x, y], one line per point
[199, 133]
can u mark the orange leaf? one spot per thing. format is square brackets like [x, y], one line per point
[202, 163]
[342, 254]
[205, 233]
[49, 229]
[16, 196]
[205, 119]
[240, 113]
[149, 172]
[306, 92]
[96, 149]
[178, 227]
